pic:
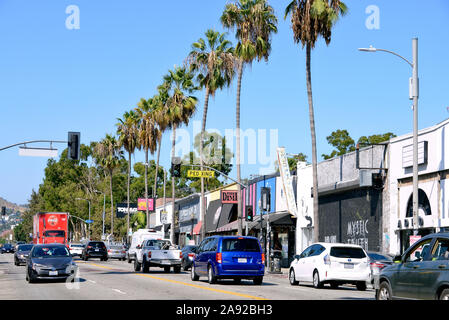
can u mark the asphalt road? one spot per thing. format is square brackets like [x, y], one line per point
[116, 280]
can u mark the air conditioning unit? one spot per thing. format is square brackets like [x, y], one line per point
[365, 178]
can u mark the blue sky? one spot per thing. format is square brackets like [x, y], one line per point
[54, 80]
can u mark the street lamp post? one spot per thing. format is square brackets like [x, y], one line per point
[414, 94]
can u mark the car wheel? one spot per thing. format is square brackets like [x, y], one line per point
[136, 265]
[193, 274]
[258, 280]
[145, 266]
[361, 286]
[185, 268]
[334, 285]
[291, 277]
[30, 278]
[166, 269]
[211, 276]
[177, 269]
[384, 291]
[129, 259]
[237, 280]
[316, 280]
[106, 259]
[444, 294]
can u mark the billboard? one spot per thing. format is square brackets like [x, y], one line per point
[122, 209]
[142, 204]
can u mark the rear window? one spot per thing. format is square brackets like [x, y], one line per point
[347, 252]
[246, 245]
[97, 245]
[376, 256]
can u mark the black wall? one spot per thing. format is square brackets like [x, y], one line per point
[352, 217]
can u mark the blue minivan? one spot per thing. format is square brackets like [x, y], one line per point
[229, 257]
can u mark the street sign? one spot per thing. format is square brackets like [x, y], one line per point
[38, 152]
[89, 221]
[200, 174]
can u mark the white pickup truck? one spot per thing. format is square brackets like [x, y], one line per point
[138, 238]
[158, 253]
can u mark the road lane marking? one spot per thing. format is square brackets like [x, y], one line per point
[187, 284]
[119, 291]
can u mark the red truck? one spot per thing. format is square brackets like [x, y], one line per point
[50, 227]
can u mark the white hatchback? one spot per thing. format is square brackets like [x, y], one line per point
[332, 263]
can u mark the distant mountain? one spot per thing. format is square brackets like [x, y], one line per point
[12, 206]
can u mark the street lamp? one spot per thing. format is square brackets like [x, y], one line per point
[88, 226]
[414, 93]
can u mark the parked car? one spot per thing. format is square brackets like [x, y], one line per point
[333, 263]
[95, 249]
[188, 254]
[378, 261]
[422, 272]
[50, 261]
[229, 257]
[76, 249]
[117, 251]
[21, 254]
[7, 248]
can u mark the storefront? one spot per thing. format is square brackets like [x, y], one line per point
[188, 209]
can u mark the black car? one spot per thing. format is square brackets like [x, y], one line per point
[22, 253]
[7, 248]
[188, 253]
[422, 272]
[50, 261]
[95, 249]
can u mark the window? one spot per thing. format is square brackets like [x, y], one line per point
[423, 204]
[245, 245]
[317, 250]
[44, 252]
[441, 250]
[203, 245]
[418, 252]
[54, 233]
[306, 252]
[347, 252]
[159, 244]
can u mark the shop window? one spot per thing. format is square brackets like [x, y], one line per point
[423, 204]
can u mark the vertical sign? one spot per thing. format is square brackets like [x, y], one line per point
[287, 184]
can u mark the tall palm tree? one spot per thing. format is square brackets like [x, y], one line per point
[254, 22]
[148, 136]
[107, 154]
[311, 19]
[178, 110]
[213, 61]
[127, 129]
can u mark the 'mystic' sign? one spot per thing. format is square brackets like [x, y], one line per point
[228, 196]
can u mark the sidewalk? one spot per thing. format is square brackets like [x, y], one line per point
[283, 274]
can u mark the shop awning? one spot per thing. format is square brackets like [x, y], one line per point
[228, 227]
[226, 213]
[197, 228]
[275, 219]
[213, 215]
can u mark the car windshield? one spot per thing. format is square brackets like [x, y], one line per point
[377, 256]
[7, 246]
[347, 252]
[246, 245]
[25, 247]
[160, 244]
[54, 233]
[189, 248]
[50, 252]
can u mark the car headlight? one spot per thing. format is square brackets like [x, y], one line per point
[37, 265]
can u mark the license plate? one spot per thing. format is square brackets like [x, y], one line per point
[97, 250]
[165, 262]
[53, 273]
[349, 266]
[241, 260]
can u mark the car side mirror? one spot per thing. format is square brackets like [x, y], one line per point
[397, 259]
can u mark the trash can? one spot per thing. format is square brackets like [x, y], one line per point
[276, 256]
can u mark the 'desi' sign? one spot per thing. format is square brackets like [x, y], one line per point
[229, 196]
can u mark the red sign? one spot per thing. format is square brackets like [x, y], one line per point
[142, 204]
[229, 196]
[52, 220]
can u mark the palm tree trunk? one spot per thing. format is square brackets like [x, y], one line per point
[112, 205]
[129, 183]
[314, 157]
[237, 117]
[172, 225]
[203, 129]
[157, 168]
[146, 187]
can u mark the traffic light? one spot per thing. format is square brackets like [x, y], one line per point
[3, 211]
[73, 146]
[249, 213]
[265, 194]
[176, 167]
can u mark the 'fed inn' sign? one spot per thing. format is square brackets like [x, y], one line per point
[229, 196]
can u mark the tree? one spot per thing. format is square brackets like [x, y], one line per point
[374, 139]
[311, 19]
[213, 61]
[127, 129]
[179, 108]
[341, 140]
[254, 23]
[107, 154]
[148, 136]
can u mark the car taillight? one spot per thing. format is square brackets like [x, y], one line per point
[191, 255]
[218, 257]
[89, 247]
[180, 255]
[263, 257]
[327, 259]
[109, 250]
[149, 254]
[377, 265]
